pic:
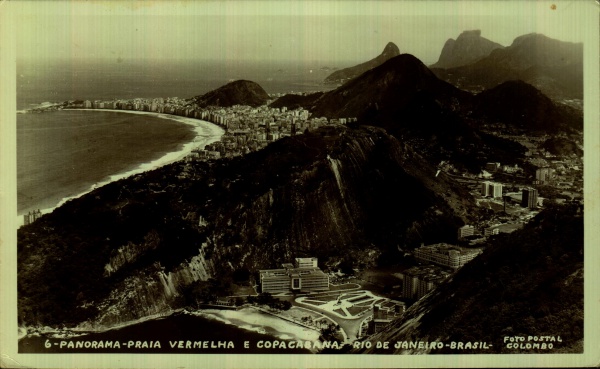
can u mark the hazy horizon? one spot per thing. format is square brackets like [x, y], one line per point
[340, 33]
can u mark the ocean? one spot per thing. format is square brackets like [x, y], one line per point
[62, 154]
[61, 80]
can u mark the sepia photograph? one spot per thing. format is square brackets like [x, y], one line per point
[299, 183]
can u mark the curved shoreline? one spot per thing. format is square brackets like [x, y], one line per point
[253, 319]
[247, 318]
[206, 133]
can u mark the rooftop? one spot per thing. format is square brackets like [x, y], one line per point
[444, 248]
[275, 273]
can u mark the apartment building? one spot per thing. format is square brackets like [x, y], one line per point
[304, 277]
[446, 255]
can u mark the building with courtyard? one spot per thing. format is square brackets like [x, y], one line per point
[305, 276]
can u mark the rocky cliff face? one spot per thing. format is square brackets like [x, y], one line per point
[346, 74]
[132, 249]
[468, 48]
[149, 292]
[331, 190]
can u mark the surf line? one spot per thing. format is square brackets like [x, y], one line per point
[206, 133]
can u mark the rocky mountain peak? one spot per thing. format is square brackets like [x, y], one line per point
[471, 33]
[530, 38]
[343, 75]
[393, 83]
[553, 66]
[390, 50]
[468, 48]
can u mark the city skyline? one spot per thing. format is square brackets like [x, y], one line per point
[340, 32]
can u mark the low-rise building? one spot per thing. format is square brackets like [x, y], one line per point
[492, 167]
[384, 313]
[466, 231]
[446, 255]
[490, 231]
[544, 175]
[306, 262]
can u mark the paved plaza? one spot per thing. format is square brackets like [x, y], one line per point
[346, 305]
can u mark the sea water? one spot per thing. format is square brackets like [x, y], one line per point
[60, 154]
[61, 80]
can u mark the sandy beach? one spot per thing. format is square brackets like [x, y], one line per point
[205, 133]
[246, 318]
[253, 320]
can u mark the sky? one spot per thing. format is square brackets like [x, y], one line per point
[342, 32]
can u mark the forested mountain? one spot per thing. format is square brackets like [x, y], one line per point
[527, 283]
[132, 248]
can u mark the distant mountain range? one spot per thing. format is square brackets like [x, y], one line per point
[343, 75]
[407, 99]
[474, 63]
[552, 66]
[468, 48]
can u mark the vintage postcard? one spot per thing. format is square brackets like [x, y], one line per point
[299, 183]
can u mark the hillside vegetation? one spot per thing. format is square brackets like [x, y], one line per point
[132, 247]
[526, 283]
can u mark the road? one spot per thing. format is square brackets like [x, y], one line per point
[350, 326]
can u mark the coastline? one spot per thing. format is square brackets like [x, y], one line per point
[254, 320]
[85, 328]
[205, 134]
[247, 318]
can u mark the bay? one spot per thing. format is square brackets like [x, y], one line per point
[61, 154]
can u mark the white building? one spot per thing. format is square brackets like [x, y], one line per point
[491, 189]
[446, 255]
